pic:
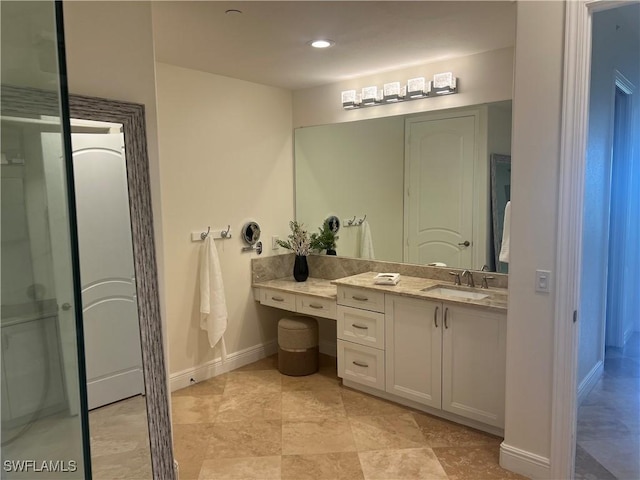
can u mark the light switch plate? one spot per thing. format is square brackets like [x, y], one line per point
[274, 242]
[543, 281]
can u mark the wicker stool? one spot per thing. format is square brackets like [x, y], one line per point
[297, 345]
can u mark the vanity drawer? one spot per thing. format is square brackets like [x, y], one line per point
[361, 326]
[278, 299]
[361, 298]
[317, 307]
[361, 364]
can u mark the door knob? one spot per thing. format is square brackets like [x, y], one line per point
[466, 243]
[66, 306]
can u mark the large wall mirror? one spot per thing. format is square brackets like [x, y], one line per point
[422, 180]
[129, 425]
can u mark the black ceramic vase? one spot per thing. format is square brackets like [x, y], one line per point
[331, 251]
[300, 268]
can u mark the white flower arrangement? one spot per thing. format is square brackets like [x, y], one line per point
[299, 241]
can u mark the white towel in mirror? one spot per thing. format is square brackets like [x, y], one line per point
[213, 305]
[366, 242]
[506, 234]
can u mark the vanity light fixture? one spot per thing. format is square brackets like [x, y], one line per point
[416, 88]
[371, 96]
[444, 84]
[393, 92]
[351, 99]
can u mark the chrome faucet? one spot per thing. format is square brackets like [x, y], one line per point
[457, 278]
[469, 275]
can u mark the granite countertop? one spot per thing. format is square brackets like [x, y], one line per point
[314, 287]
[413, 286]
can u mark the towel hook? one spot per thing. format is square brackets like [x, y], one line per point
[204, 235]
[350, 222]
[361, 221]
[225, 233]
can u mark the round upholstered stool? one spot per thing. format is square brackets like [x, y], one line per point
[297, 345]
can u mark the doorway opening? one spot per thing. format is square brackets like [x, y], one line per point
[608, 437]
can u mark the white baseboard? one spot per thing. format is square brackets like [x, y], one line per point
[215, 367]
[590, 381]
[328, 348]
[525, 463]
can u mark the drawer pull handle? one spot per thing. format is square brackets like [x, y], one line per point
[446, 314]
[361, 327]
[316, 306]
[435, 317]
[359, 298]
[360, 364]
[277, 299]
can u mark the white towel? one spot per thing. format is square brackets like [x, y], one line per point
[366, 243]
[213, 306]
[506, 234]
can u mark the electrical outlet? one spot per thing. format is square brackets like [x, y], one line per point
[274, 242]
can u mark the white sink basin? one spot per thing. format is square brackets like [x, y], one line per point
[450, 292]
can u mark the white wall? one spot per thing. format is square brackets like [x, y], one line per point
[482, 78]
[535, 163]
[611, 49]
[109, 47]
[226, 158]
[352, 169]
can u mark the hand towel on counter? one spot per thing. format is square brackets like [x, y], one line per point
[366, 242]
[506, 234]
[213, 306]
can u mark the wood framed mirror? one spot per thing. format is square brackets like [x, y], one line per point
[131, 117]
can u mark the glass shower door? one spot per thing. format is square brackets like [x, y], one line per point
[43, 404]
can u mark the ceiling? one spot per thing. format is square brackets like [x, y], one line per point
[268, 42]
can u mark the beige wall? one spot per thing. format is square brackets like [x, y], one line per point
[226, 158]
[483, 78]
[534, 178]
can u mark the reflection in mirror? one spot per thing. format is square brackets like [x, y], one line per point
[500, 195]
[145, 419]
[421, 179]
[115, 383]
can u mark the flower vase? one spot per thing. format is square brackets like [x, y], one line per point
[300, 268]
[331, 251]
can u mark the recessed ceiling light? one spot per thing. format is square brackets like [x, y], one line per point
[233, 11]
[322, 43]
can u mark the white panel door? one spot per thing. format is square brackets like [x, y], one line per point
[473, 364]
[440, 157]
[111, 328]
[413, 337]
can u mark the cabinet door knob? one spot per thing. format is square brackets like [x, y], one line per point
[466, 243]
[435, 317]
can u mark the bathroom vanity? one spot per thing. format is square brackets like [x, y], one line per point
[425, 343]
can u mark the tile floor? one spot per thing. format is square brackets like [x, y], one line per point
[254, 423]
[608, 440]
[119, 443]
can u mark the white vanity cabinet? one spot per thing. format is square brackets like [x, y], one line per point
[361, 336]
[473, 363]
[447, 357]
[413, 353]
